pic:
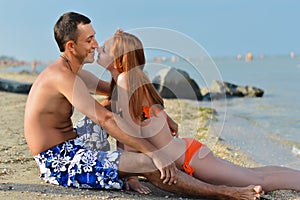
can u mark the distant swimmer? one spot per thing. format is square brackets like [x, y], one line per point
[249, 57]
[292, 54]
[239, 56]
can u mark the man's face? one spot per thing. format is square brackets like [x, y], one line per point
[86, 43]
[90, 58]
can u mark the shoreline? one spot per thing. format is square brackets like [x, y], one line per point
[19, 176]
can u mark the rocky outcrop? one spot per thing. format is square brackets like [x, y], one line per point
[14, 86]
[222, 89]
[175, 83]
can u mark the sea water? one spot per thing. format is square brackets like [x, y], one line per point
[267, 128]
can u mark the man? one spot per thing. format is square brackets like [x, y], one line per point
[60, 153]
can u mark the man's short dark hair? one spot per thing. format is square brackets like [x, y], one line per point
[65, 28]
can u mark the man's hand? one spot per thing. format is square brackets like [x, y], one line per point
[166, 167]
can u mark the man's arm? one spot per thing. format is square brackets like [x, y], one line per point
[106, 103]
[75, 90]
[94, 84]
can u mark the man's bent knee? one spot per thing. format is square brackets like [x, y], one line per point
[135, 163]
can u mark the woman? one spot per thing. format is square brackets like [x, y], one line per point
[139, 103]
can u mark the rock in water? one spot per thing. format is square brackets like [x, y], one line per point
[222, 89]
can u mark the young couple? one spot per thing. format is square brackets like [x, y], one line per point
[60, 151]
[141, 106]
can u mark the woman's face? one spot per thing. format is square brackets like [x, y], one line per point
[105, 57]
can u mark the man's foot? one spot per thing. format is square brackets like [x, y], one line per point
[134, 184]
[251, 192]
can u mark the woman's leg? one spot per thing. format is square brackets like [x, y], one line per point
[139, 164]
[221, 172]
[282, 177]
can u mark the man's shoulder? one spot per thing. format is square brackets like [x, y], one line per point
[57, 72]
[52, 78]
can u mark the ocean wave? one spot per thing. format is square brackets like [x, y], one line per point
[296, 151]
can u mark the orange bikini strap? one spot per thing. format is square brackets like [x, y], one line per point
[146, 110]
[192, 146]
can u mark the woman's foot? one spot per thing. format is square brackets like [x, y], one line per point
[251, 192]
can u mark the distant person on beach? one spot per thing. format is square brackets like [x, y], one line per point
[33, 67]
[138, 102]
[59, 150]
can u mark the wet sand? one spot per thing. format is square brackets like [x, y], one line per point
[19, 175]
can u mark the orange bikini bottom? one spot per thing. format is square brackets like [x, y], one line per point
[192, 146]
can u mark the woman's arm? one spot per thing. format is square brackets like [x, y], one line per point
[156, 109]
[173, 126]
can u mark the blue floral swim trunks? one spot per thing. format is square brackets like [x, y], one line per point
[73, 163]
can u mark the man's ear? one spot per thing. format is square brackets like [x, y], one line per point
[70, 45]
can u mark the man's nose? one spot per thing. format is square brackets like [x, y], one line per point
[95, 44]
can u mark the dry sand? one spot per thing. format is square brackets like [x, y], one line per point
[19, 175]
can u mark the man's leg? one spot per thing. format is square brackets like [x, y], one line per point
[139, 164]
[92, 135]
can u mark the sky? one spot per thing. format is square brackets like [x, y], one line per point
[221, 27]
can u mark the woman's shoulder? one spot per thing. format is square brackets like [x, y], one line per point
[122, 78]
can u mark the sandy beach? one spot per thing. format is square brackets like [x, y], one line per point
[19, 175]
